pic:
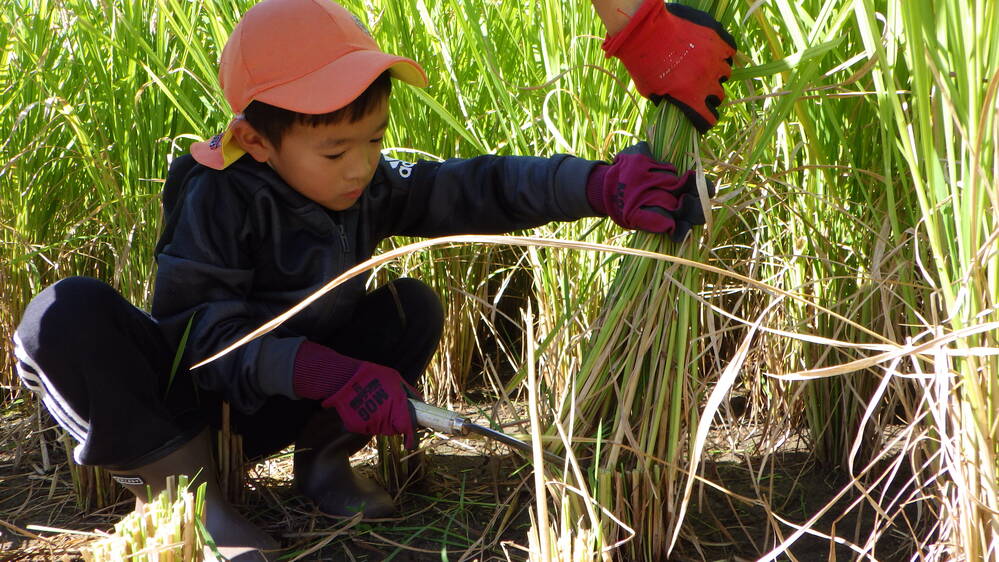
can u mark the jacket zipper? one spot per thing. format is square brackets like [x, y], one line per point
[343, 237]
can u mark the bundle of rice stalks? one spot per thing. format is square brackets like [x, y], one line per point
[170, 528]
[638, 389]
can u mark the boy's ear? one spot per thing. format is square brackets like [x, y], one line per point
[250, 140]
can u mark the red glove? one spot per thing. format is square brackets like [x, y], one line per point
[678, 53]
[639, 192]
[371, 399]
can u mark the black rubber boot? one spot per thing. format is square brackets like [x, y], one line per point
[323, 473]
[236, 538]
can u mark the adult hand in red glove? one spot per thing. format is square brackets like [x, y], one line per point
[678, 53]
[639, 192]
[371, 399]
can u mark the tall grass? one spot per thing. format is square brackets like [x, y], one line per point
[832, 223]
[946, 137]
[836, 216]
[100, 96]
[105, 95]
[857, 167]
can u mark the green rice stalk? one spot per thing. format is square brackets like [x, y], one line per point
[86, 134]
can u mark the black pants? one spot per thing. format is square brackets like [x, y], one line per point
[102, 368]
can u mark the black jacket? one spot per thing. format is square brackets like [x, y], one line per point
[240, 246]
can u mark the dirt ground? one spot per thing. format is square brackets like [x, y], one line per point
[465, 500]
[461, 502]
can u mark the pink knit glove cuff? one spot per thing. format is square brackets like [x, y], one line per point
[319, 371]
[595, 188]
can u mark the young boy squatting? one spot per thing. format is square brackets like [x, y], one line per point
[292, 194]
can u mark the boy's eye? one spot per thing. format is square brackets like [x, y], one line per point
[378, 140]
[334, 156]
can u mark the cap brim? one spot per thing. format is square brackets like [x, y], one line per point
[219, 151]
[340, 82]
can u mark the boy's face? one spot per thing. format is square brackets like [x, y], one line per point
[330, 164]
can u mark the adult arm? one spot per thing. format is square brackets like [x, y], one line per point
[615, 13]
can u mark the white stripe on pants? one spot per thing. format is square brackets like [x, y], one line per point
[34, 378]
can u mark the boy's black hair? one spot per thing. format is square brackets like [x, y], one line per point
[272, 122]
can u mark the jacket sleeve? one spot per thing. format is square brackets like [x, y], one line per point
[205, 277]
[482, 195]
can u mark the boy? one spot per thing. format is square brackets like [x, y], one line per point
[293, 193]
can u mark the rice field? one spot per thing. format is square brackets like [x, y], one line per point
[811, 376]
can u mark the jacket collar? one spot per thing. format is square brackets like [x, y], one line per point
[313, 214]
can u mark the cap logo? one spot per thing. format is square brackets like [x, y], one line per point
[215, 142]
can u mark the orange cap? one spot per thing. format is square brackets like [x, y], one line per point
[308, 56]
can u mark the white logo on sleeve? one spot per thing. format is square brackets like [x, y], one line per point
[405, 169]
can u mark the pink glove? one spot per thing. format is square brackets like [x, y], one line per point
[375, 402]
[371, 399]
[639, 192]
